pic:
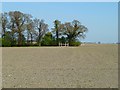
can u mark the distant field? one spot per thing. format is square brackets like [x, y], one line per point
[88, 66]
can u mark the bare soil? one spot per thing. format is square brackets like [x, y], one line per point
[88, 66]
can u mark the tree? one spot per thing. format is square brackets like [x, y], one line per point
[4, 19]
[30, 31]
[19, 28]
[7, 40]
[0, 42]
[63, 39]
[47, 40]
[18, 19]
[74, 31]
[57, 30]
[42, 29]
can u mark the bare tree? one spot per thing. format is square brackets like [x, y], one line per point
[57, 30]
[74, 30]
[42, 29]
[30, 30]
[15, 24]
[19, 20]
[4, 19]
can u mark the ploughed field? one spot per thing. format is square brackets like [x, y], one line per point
[88, 66]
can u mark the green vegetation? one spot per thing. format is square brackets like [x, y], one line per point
[0, 42]
[19, 29]
[48, 39]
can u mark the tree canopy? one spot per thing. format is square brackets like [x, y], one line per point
[20, 29]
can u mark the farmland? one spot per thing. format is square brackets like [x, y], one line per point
[88, 66]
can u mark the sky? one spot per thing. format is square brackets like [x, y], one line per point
[101, 18]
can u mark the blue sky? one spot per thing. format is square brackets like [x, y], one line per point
[101, 18]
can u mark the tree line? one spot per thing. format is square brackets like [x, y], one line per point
[20, 29]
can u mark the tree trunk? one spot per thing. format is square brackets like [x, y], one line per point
[69, 40]
[57, 37]
[28, 39]
[31, 38]
[3, 35]
[39, 38]
[20, 39]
